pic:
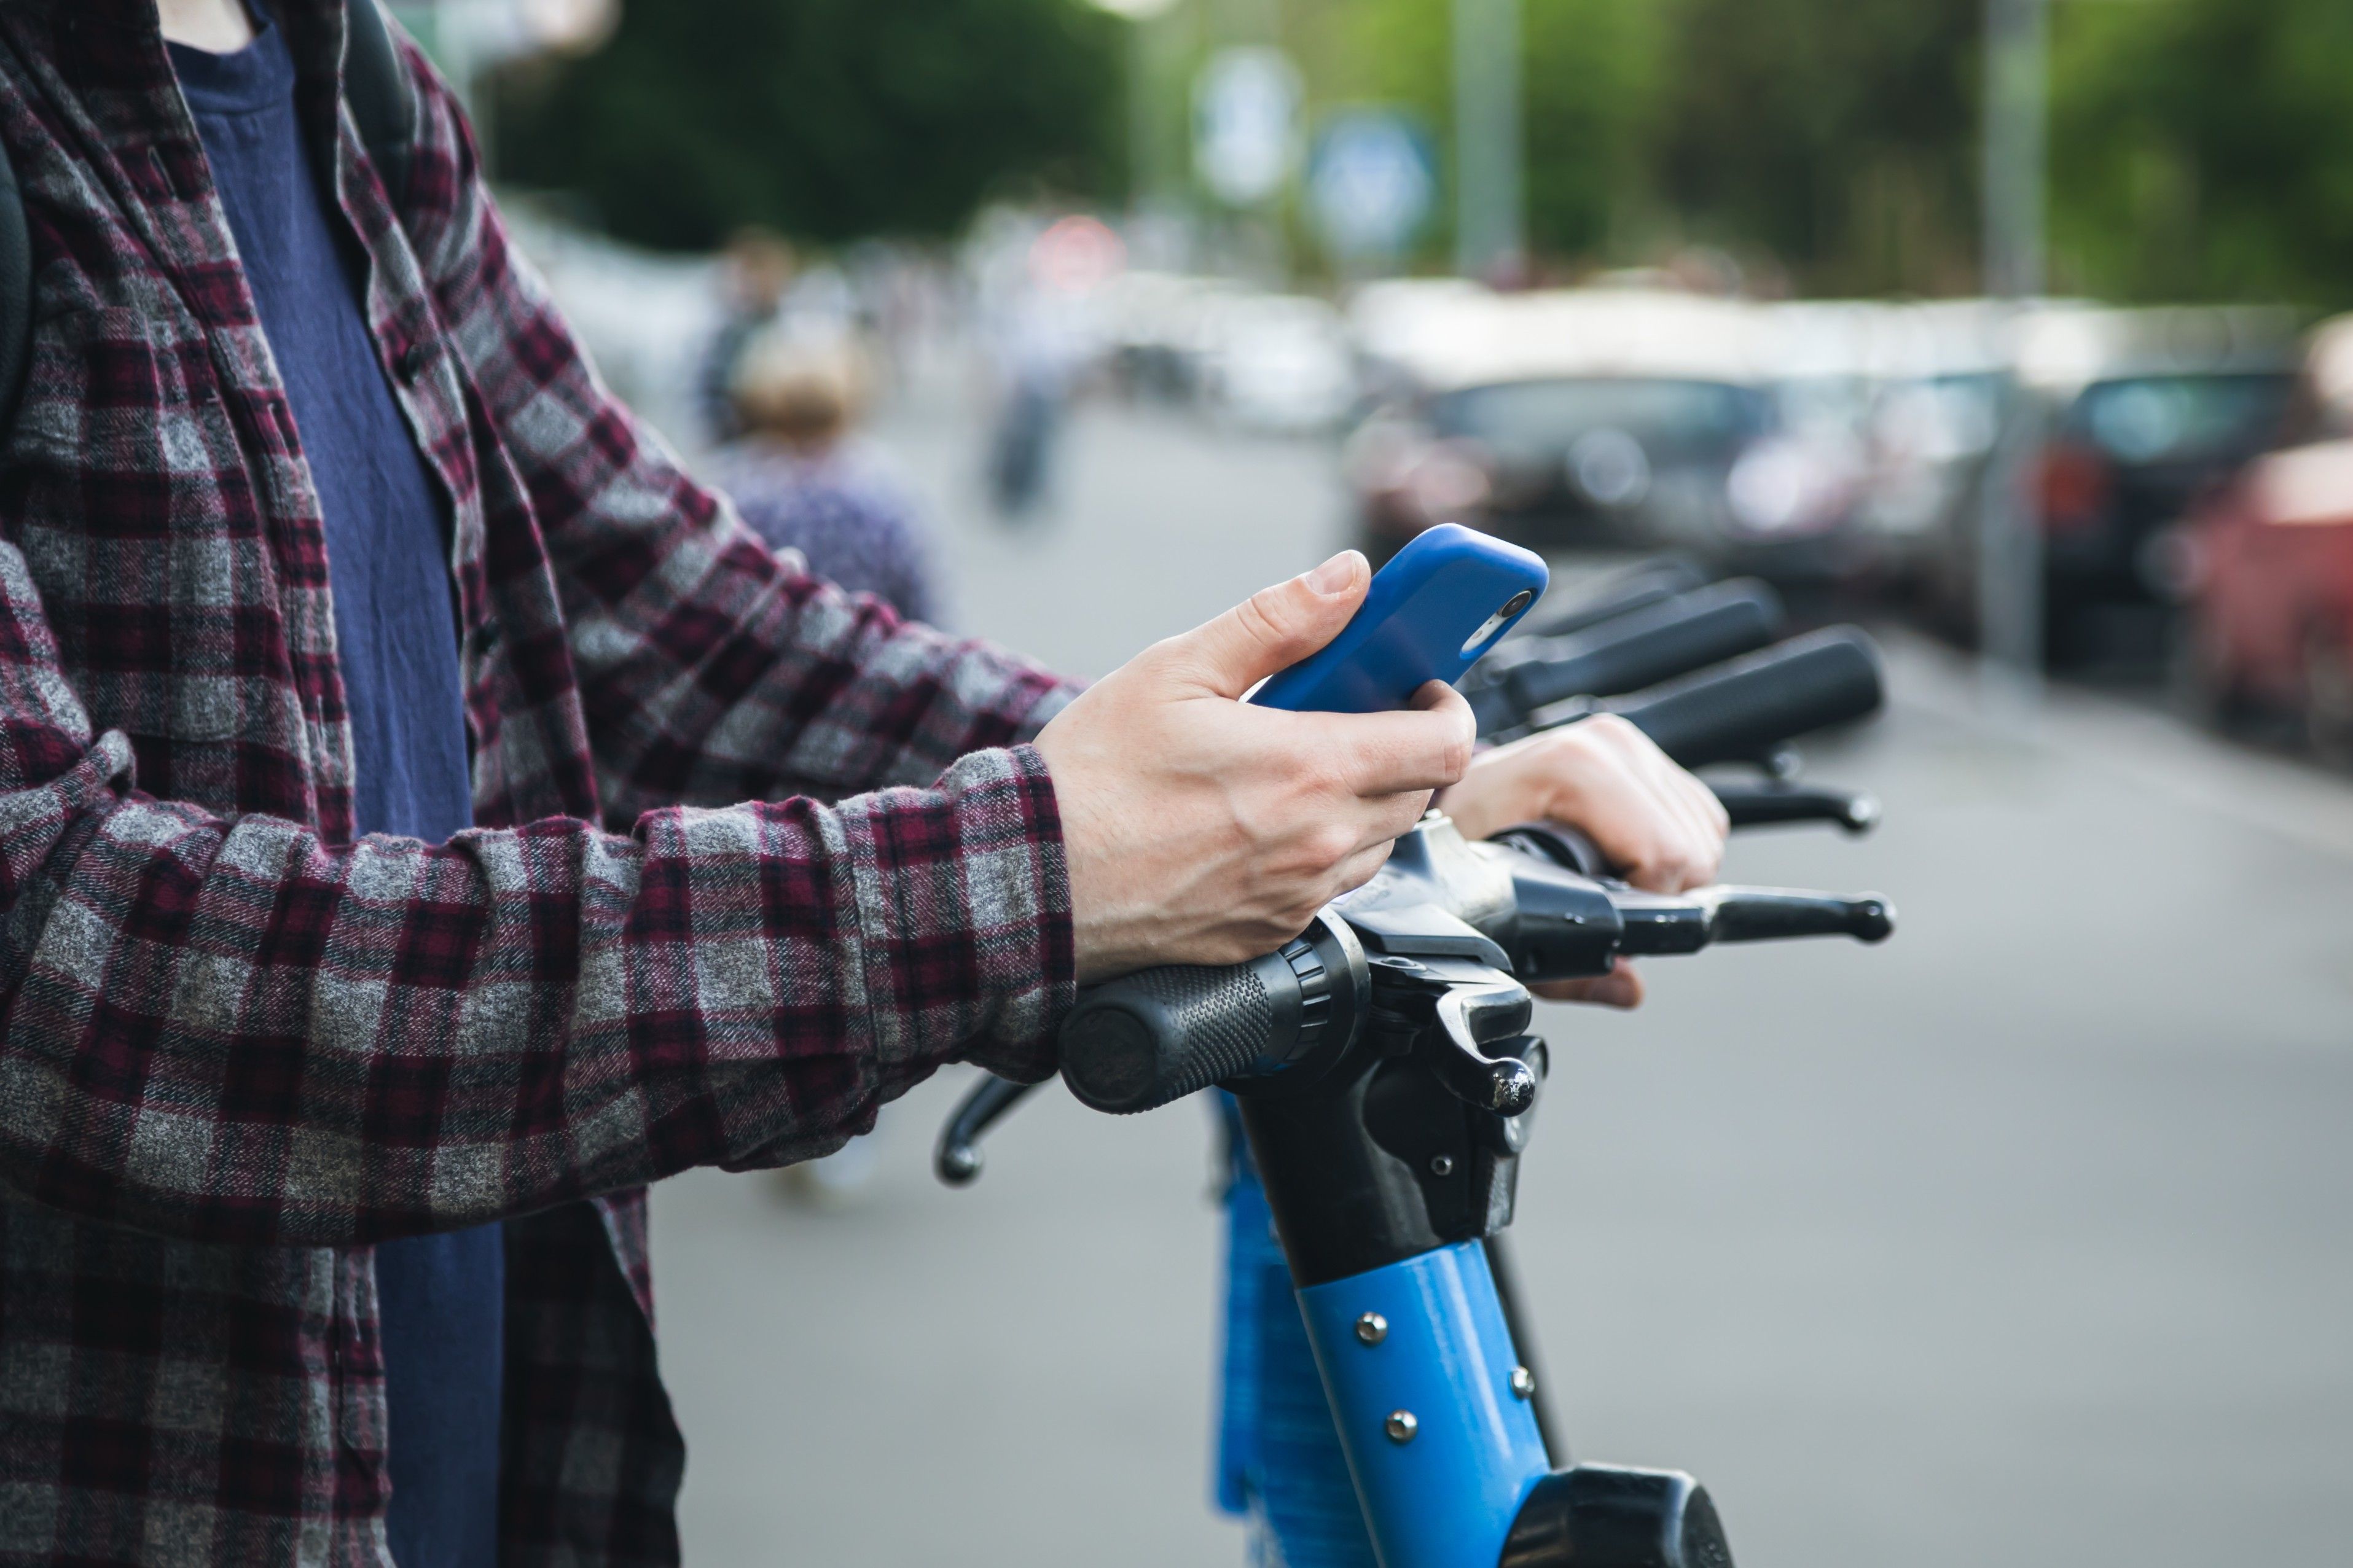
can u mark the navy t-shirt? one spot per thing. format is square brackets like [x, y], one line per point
[441, 1297]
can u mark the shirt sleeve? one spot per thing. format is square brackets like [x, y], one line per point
[710, 671]
[228, 1030]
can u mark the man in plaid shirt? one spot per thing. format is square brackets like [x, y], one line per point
[749, 856]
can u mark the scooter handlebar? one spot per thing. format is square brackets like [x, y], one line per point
[1655, 643]
[1743, 710]
[1145, 1040]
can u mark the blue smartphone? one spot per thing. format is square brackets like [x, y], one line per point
[1441, 602]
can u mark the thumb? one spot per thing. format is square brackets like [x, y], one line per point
[1275, 627]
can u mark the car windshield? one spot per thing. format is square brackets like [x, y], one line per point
[2183, 419]
[1540, 417]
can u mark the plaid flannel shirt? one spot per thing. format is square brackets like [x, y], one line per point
[238, 1048]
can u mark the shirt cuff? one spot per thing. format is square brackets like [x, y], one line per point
[963, 899]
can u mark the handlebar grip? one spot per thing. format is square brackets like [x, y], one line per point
[1744, 710]
[1148, 1038]
[1156, 1036]
[1650, 645]
[1645, 582]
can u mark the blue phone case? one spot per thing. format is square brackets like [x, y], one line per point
[1441, 602]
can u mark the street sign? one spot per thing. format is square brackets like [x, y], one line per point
[1370, 182]
[1246, 124]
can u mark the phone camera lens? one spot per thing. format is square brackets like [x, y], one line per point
[1475, 645]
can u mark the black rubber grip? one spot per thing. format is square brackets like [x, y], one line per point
[1648, 646]
[1646, 582]
[1741, 710]
[1158, 1035]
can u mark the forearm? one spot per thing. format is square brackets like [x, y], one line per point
[809, 691]
[232, 1032]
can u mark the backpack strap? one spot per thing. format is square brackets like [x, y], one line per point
[15, 295]
[383, 103]
[376, 87]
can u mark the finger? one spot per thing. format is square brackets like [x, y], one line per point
[1389, 816]
[1421, 747]
[1710, 827]
[1691, 857]
[1621, 988]
[1360, 867]
[1707, 859]
[1275, 627]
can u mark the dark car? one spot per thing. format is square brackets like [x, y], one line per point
[2138, 416]
[1600, 418]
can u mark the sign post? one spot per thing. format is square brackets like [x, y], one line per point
[2010, 529]
[1489, 238]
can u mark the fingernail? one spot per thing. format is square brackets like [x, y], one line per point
[1335, 573]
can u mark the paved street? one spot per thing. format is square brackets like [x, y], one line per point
[2023, 1240]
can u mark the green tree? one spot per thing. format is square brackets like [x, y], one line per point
[1839, 135]
[2203, 149]
[1591, 97]
[827, 119]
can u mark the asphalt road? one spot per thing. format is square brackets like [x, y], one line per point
[2021, 1240]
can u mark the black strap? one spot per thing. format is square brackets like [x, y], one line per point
[382, 102]
[16, 294]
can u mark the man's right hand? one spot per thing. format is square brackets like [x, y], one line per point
[1200, 829]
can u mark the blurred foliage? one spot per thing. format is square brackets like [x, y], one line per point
[1838, 136]
[827, 119]
[2203, 149]
[1593, 99]
[2199, 148]
[1834, 137]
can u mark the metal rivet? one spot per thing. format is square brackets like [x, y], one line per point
[1372, 1328]
[1441, 1165]
[1524, 1382]
[1400, 1425]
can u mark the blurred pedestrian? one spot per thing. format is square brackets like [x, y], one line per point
[805, 482]
[1045, 335]
[754, 272]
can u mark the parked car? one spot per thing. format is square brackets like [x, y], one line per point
[1601, 418]
[2270, 566]
[2137, 416]
[1935, 413]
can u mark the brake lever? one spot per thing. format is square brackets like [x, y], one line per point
[1765, 804]
[1656, 923]
[1748, 805]
[956, 1160]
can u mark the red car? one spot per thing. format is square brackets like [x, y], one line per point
[2271, 566]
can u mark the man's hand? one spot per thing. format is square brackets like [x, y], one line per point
[1659, 826]
[1200, 829]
